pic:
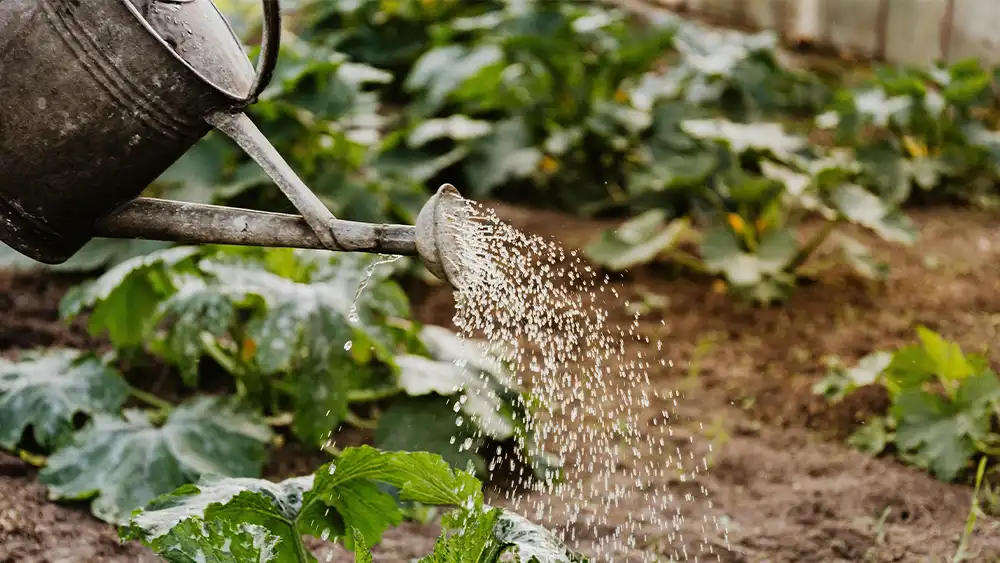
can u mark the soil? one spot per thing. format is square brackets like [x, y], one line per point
[781, 476]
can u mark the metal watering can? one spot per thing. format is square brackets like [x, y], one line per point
[100, 97]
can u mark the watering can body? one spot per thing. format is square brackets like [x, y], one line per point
[96, 101]
[99, 97]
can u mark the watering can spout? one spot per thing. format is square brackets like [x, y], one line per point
[432, 239]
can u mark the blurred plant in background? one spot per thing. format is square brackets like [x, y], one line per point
[715, 146]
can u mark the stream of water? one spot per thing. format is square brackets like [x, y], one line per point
[543, 308]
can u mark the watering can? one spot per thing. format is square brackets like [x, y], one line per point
[99, 97]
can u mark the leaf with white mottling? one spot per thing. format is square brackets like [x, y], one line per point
[46, 389]
[126, 462]
[196, 309]
[259, 511]
[455, 127]
[534, 543]
[860, 206]
[341, 500]
[421, 376]
[743, 137]
[123, 300]
[637, 241]
[226, 541]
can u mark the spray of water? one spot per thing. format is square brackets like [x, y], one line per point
[541, 308]
[366, 278]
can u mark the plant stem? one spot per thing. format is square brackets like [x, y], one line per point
[687, 260]
[970, 522]
[811, 246]
[220, 356]
[282, 419]
[358, 422]
[300, 547]
[372, 395]
[150, 399]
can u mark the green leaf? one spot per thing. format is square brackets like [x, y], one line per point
[880, 109]
[441, 71]
[860, 206]
[966, 90]
[222, 541]
[231, 519]
[638, 241]
[872, 438]
[470, 540]
[860, 259]
[777, 249]
[349, 485]
[533, 542]
[506, 154]
[260, 513]
[721, 252]
[126, 462]
[45, 390]
[910, 368]
[741, 137]
[422, 376]
[720, 247]
[361, 552]
[323, 379]
[447, 346]
[927, 172]
[429, 423]
[841, 382]
[949, 361]
[483, 401]
[305, 329]
[124, 299]
[455, 127]
[935, 434]
[196, 309]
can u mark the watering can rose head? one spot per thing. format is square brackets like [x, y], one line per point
[439, 228]
[85, 130]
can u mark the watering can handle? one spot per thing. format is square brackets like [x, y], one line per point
[269, 45]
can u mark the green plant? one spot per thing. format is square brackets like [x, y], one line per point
[298, 344]
[763, 184]
[300, 341]
[945, 404]
[346, 501]
[923, 128]
[121, 459]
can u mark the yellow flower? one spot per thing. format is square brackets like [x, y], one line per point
[621, 96]
[719, 287]
[736, 222]
[549, 164]
[914, 147]
[249, 349]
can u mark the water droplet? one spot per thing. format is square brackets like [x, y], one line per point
[347, 345]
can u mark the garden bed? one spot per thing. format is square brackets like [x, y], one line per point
[790, 489]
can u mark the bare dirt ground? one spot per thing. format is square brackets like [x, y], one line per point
[788, 487]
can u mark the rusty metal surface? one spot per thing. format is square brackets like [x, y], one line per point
[160, 219]
[95, 105]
